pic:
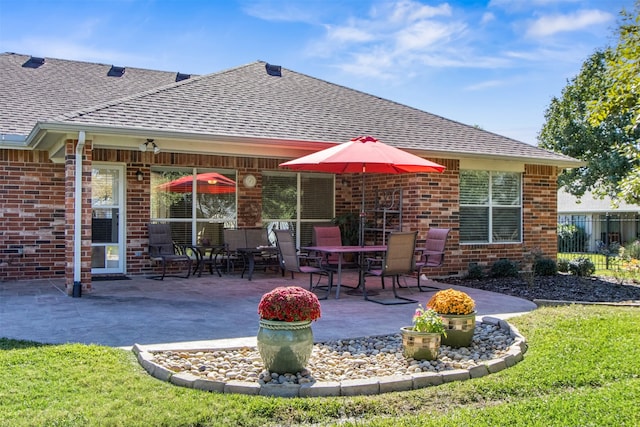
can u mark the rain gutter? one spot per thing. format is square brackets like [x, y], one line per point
[77, 220]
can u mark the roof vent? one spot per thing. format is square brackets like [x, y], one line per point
[115, 71]
[182, 76]
[274, 70]
[33, 62]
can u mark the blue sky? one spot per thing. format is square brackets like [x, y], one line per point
[492, 63]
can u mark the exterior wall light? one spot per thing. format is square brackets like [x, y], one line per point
[145, 146]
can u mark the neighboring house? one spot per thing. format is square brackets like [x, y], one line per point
[603, 223]
[89, 155]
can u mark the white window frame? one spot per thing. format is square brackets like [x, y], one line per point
[194, 220]
[490, 205]
[299, 220]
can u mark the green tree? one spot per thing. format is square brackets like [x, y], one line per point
[567, 130]
[596, 120]
[622, 98]
[623, 73]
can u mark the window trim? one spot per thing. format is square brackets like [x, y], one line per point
[299, 220]
[194, 220]
[490, 206]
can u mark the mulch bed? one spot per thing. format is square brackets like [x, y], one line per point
[560, 287]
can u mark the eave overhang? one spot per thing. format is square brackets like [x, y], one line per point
[51, 137]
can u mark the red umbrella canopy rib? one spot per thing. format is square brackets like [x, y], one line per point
[363, 154]
[207, 183]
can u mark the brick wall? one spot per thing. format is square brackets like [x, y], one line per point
[540, 209]
[34, 217]
[431, 200]
[139, 197]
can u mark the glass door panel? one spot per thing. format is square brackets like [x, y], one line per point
[106, 220]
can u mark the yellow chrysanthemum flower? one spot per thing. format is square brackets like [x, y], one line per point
[451, 301]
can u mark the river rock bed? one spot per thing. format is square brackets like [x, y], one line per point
[338, 360]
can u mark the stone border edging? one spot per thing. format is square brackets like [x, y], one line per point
[356, 387]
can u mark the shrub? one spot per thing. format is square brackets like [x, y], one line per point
[582, 267]
[572, 238]
[631, 250]
[545, 267]
[615, 248]
[563, 265]
[475, 271]
[504, 268]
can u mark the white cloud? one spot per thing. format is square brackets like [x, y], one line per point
[526, 4]
[406, 11]
[348, 34]
[394, 37]
[461, 59]
[67, 49]
[374, 64]
[425, 34]
[281, 11]
[486, 85]
[553, 24]
[560, 53]
[487, 17]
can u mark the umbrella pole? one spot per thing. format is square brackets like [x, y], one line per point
[362, 212]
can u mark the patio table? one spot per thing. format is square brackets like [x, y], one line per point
[341, 250]
[208, 256]
[249, 257]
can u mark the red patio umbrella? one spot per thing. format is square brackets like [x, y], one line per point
[207, 183]
[363, 154]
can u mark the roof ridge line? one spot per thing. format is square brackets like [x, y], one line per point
[91, 63]
[159, 89]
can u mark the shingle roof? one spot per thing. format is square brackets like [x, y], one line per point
[247, 102]
[28, 95]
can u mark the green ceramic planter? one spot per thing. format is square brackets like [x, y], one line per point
[285, 347]
[460, 329]
[419, 345]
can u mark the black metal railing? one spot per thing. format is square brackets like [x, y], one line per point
[599, 237]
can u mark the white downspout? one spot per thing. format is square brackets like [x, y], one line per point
[77, 219]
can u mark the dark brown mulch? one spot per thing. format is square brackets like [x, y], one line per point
[559, 287]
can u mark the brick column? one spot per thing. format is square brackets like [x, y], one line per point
[540, 209]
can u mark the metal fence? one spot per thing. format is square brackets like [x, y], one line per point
[597, 236]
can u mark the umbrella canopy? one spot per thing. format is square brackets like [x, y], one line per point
[363, 154]
[206, 183]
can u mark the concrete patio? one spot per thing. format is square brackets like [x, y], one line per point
[198, 310]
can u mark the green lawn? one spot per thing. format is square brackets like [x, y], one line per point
[582, 369]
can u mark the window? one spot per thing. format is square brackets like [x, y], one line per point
[198, 204]
[490, 207]
[297, 201]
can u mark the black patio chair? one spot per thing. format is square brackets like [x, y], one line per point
[163, 251]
